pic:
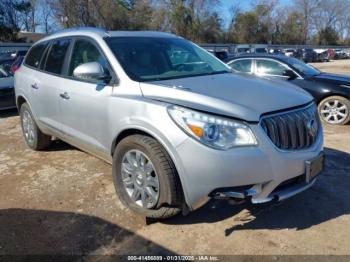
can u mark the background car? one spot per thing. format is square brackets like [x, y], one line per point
[289, 51]
[16, 64]
[276, 51]
[306, 54]
[330, 91]
[8, 58]
[339, 54]
[7, 94]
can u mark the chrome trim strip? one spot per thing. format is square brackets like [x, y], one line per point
[299, 114]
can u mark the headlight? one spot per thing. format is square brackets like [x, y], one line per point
[214, 131]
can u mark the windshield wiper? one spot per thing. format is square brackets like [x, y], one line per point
[219, 72]
[185, 76]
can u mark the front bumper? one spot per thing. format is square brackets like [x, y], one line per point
[7, 98]
[261, 169]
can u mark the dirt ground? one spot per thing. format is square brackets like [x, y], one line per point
[62, 201]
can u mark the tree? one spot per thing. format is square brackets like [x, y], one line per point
[291, 28]
[14, 16]
[308, 10]
[327, 36]
[254, 26]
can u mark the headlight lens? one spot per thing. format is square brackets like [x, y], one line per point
[214, 131]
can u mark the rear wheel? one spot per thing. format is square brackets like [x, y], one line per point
[34, 138]
[145, 177]
[335, 110]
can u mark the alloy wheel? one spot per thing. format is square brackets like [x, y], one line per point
[140, 179]
[334, 111]
[28, 127]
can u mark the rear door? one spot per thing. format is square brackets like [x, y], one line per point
[45, 86]
[244, 65]
[84, 103]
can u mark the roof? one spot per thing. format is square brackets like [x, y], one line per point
[277, 57]
[100, 32]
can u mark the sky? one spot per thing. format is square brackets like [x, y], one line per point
[244, 4]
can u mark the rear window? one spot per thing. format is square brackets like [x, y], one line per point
[56, 56]
[34, 56]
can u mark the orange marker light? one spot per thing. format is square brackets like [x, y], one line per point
[198, 131]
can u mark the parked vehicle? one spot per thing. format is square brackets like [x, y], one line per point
[330, 91]
[16, 64]
[242, 49]
[222, 55]
[177, 132]
[7, 94]
[322, 55]
[8, 58]
[276, 51]
[307, 55]
[339, 54]
[347, 53]
[259, 49]
[330, 53]
[289, 51]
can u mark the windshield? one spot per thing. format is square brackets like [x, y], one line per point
[304, 69]
[152, 58]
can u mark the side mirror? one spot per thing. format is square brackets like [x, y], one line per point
[290, 74]
[91, 71]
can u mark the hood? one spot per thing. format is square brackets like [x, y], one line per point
[235, 95]
[333, 78]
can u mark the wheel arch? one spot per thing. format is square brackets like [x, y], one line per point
[330, 94]
[20, 101]
[141, 131]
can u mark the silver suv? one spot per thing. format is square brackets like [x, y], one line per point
[177, 125]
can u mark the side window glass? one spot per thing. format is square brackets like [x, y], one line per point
[268, 67]
[56, 56]
[244, 66]
[34, 56]
[85, 52]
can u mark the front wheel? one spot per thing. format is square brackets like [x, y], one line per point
[335, 110]
[145, 177]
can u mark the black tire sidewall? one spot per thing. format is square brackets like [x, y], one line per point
[133, 143]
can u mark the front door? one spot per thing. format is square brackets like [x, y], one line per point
[84, 103]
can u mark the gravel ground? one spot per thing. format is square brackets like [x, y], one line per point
[62, 201]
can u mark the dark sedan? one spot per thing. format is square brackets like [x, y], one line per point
[7, 93]
[330, 91]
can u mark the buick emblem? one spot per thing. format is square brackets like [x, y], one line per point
[312, 127]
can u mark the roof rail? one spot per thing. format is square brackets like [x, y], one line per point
[83, 28]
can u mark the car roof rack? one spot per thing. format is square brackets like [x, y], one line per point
[83, 28]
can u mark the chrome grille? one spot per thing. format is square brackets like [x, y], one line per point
[293, 130]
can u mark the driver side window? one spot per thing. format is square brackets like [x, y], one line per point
[85, 52]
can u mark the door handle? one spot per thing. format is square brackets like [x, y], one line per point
[64, 95]
[35, 86]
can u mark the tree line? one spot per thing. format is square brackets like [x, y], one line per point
[325, 22]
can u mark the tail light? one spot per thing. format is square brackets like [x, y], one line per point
[14, 69]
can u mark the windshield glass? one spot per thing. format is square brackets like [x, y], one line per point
[304, 69]
[152, 58]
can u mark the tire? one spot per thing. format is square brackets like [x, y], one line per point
[36, 140]
[338, 106]
[170, 200]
